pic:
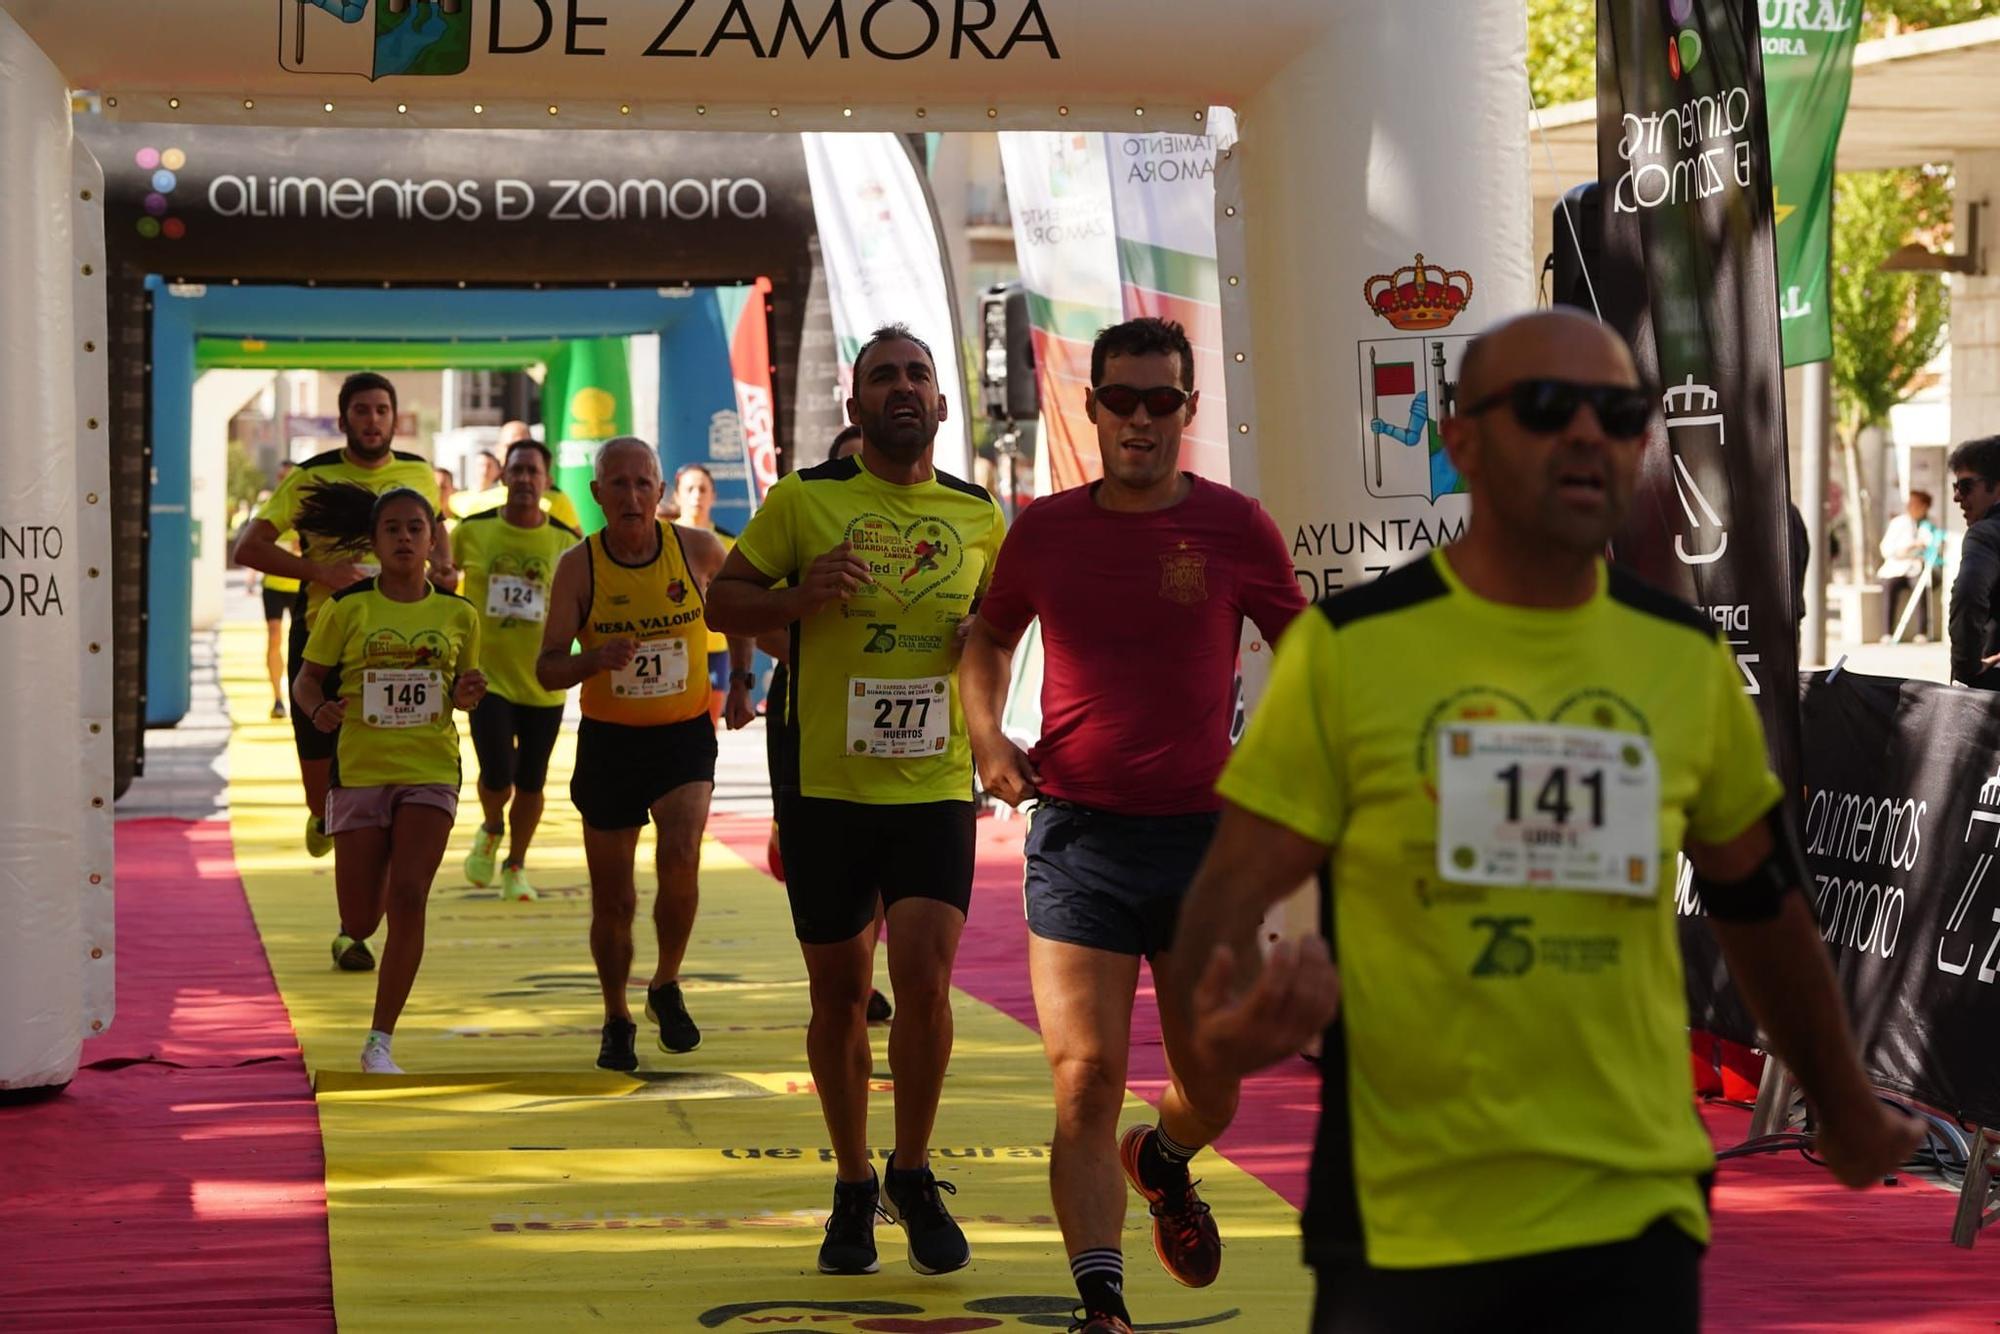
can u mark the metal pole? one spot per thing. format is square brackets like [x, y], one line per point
[1812, 504]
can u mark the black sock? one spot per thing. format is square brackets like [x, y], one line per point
[1164, 1162]
[1100, 1281]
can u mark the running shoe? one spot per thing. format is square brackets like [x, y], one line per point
[277, 708]
[514, 886]
[318, 841]
[878, 1008]
[849, 1247]
[665, 1008]
[1184, 1235]
[619, 1049]
[1084, 1321]
[479, 862]
[937, 1246]
[351, 955]
[375, 1059]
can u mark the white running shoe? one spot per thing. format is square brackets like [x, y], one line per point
[375, 1060]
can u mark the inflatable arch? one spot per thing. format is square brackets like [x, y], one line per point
[1378, 196]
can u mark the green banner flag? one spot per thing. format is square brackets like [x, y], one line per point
[1808, 69]
[586, 400]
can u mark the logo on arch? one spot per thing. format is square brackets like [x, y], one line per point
[377, 39]
[1683, 39]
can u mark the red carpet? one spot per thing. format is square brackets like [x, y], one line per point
[1792, 1250]
[179, 1179]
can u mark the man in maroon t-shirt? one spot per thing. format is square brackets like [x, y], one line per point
[1142, 582]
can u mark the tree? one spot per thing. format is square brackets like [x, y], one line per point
[1886, 326]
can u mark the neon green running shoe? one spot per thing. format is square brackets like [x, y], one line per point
[514, 886]
[479, 862]
[351, 955]
[318, 841]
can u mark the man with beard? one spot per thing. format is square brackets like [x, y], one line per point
[883, 556]
[368, 420]
[1488, 758]
[632, 596]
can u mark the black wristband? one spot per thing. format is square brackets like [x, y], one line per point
[743, 678]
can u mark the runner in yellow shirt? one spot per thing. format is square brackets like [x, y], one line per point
[1489, 757]
[633, 596]
[694, 498]
[407, 655]
[884, 556]
[508, 557]
[368, 417]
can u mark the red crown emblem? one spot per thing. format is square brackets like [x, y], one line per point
[1418, 296]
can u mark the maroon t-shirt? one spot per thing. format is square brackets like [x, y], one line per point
[1142, 616]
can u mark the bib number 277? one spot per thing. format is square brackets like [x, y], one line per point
[889, 719]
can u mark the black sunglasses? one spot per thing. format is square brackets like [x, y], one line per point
[1961, 486]
[1122, 400]
[1549, 405]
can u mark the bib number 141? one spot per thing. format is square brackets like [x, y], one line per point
[1548, 807]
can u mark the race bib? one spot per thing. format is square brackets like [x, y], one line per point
[1549, 807]
[659, 668]
[510, 597]
[894, 720]
[406, 698]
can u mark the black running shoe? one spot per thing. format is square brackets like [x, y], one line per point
[936, 1244]
[618, 1050]
[849, 1247]
[878, 1008]
[664, 1007]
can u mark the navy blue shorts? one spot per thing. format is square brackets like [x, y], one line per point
[1108, 881]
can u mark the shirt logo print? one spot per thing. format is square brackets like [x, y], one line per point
[1184, 576]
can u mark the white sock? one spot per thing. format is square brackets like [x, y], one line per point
[377, 1038]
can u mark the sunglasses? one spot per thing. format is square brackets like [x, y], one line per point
[1122, 400]
[1544, 406]
[1962, 486]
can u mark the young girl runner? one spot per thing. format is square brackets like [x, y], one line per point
[387, 661]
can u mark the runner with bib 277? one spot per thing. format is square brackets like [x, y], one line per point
[884, 557]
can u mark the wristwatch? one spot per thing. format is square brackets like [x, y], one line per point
[745, 679]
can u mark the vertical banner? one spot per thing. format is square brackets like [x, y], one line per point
[744, 316]
[1163, 205]
[1065, 236]
[1808, 70]
[1684, 151]
[586, 400]
[885, 263]
[698, 414]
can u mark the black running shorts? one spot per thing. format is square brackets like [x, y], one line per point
[1648, 1285]
[1108, 881]
[309, 741]
[513, 742]
[277, 602]
[621, 771]
[841, 855]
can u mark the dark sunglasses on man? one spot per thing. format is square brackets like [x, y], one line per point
[1546, 406]
[1962, 486]
[1122, 400]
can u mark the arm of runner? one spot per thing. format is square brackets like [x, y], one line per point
[308, 689]
[777, 643]
[443, 567]
[467, 689]
[1270, 591]
[706, 555]
[557, 668]
[742, 601]
[258, 549]
[1251, 1011]
[1780, 966]
[983, 673]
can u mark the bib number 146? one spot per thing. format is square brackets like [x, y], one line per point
[1548, 807]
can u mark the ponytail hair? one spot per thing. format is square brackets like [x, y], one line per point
[345, 513]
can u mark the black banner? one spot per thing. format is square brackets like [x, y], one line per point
[1690, 279]
[1902, 835]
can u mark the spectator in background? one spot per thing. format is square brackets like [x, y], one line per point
[1907, 552]
[489, 462]
[447, 486]
[1975, 640]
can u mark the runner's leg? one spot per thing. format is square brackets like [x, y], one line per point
[417, 842]
[361, 879]
[680, 815]
[613, 901]
[837, 1048]
[1083, 1000]
[923, 942]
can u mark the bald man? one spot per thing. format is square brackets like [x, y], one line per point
[633, 596]
[1488, 759]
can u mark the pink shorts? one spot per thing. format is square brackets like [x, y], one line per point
[349, 808]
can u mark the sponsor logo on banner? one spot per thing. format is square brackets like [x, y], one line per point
[165, 166]
[1409, 385]
[387, 39]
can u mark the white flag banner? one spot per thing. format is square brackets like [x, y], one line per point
[884, 264]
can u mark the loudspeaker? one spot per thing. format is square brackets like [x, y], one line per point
[1007, 369]
[1581, 208]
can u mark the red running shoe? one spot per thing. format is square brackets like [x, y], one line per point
[1184, 1235]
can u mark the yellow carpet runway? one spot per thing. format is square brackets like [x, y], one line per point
[507, 1182]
